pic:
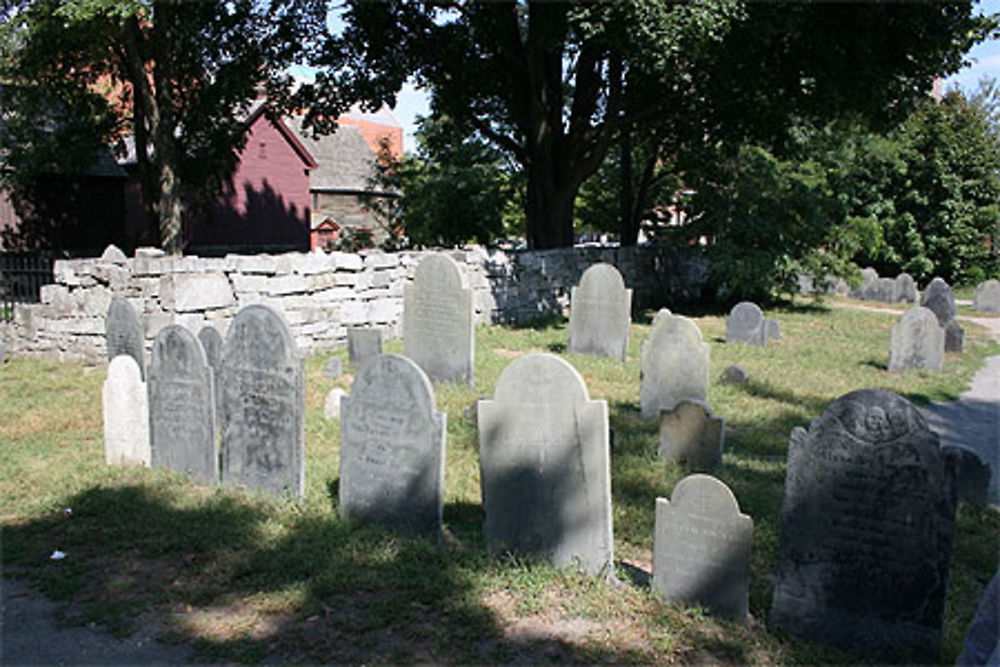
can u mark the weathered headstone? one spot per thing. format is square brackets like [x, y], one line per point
[182, 422]
[392, 448]
[674, 366]
[916, 341]
[745, 324]
[331, 406]
[986, 297]
[905, 289]
[939, 298]
[3, 352]
[690, 432]
[124, 334]
[972, 479]
[864, 289]
[363, 344]
[954, 337]
[600, 313]
[883, 290]
[866, 529]
[263, 427]
[211, 343]
[438, 330]
[334, 367]
[772, 330]
[733, 374]
[701, 547]
[126, 419]
[545, 466]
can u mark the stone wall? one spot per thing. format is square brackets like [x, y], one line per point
[320, 293]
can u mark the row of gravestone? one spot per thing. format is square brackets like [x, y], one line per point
[901, 289]
[924, 333]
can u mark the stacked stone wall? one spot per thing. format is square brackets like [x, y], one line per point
[320, 294]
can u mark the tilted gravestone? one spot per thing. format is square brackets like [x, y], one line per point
[211, 343]
[866, 529]
[600, 313]
[126, 418]
[916, 341]
[363, 343]
[673, 367]
[182, 423]
[745, 324]
[438, 330]
[263, 427]
[954, 337]
[124, 334]
[939, 298]
[986, 297]
[701, 547]
[905, 289]
[392, 448]
[690, 432]
[545, 466]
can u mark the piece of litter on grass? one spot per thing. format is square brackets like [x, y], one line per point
[57, 555]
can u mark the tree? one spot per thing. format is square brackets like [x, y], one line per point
[175, 76]
[553, 83]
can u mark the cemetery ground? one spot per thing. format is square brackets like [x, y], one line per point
[246, 578]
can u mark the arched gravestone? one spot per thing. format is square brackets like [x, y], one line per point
[263, 404]
[211, 343]
[674, 366]
[545, 466]
[392, 450]
[916, 341]
[182, 406]
[126, 418]
[124, 334]
[939, 298]
[986, 297]
[691, 432]
[864, 290]
[701, 547]
[438, 329]
[905, 289]
[745, 324]
[600, 313]
[866, 529]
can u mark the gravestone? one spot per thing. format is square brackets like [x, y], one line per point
[126, 418]
[211, 343]
[392, 450]
[986, 297]
[939, 298]
[438, 330]
[733, 375]
[599, 313]
[124, 334]
[972, 478]
[772, 330]
[866, 529]
[916, 341]
[905, 289]
[954, 337]
[182, 422]
[690, 432]
[545, 466]
[701, 548]
[883, 290]
[263, 427]
[334, 368]
[673, 366]
[864, 289]
[745, 324]
[3, 352]
[331, 406]
[363, 344]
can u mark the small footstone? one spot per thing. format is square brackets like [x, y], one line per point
[954, 337]
[331, 408]
[733, 375]
[334, 368]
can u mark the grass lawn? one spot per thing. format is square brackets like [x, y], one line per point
[244, 577]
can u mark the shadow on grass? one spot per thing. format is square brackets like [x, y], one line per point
[767, 390]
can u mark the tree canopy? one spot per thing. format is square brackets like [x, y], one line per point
[553, 84]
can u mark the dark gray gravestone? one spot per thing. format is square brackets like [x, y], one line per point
[916, 341]
[905, 289]
[211, 343]
[986, 297]
[438, 330]
[363, 344]
[954, 337]
[126, 416]
[392, 448]
[334, 368]
[263, 427]
[701, 548]
[690, 432]
[866, 529]
[545, 466]
[599, 313]
[939, 298]
[182, 406]
[745, 324]
[674, 365]
[124, 334]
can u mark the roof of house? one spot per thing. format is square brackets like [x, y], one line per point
[345, 164]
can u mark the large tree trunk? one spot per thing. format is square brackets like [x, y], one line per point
[164, 141]
[549, 207]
